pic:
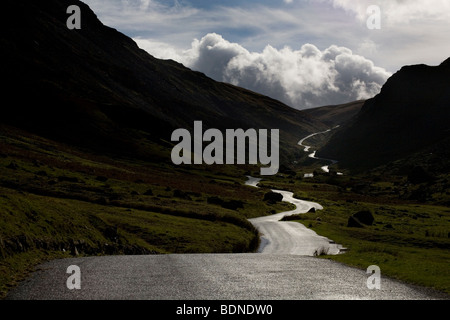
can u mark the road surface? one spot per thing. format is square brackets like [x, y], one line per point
[248, 276]
[288, 237]
[313, 154]
[285, 270]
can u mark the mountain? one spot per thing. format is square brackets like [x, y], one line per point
[336, 114]
[95, 88]
[407, 121]
[85, 138]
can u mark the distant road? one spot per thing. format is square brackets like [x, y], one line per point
[300, 143]
[313, 154]
[285, 270]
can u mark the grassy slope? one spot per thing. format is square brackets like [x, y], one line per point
[336, 114]
[55, 198]
[59, 201]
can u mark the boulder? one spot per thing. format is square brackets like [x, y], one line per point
[214, 200]
[365, 217]
[359, 219]
[354, 223]
[233, 204]
[273, 197]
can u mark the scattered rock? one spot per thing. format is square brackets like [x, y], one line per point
[181, 194]
[364, 217]
[74, 251]
[354, 223]
[361, 218]
[214, 200]
[111, 233]
[233, 204]
[273, 197]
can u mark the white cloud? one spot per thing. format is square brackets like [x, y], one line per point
[302, 78]
[400, 11]
[412, 31]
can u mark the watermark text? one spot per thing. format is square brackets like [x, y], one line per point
[231, 148]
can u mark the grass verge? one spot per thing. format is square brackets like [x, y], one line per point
[409, 242]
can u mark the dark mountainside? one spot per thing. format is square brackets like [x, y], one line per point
[85, 166]
[336, 114]
[408, 121]
[85, 129]
[95, 88]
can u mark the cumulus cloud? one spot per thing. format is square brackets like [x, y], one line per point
[304, 78]
[412, 32]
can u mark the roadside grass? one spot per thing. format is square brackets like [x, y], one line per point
[57, 201]
[16, 268]
[410, 238]
[408, 241]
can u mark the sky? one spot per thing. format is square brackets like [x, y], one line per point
[305, 53]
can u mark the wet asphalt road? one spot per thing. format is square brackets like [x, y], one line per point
[210, 277]
[283, 270]
[288, 237]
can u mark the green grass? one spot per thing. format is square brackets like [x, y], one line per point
[34, 227]
[408, 241]
[57, 201]
[16, 268]
[54, 199]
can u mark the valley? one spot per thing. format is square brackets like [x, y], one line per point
[87, 176]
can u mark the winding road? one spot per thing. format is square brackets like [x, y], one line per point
[287, 237]
[313, 154]
[284, 269]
